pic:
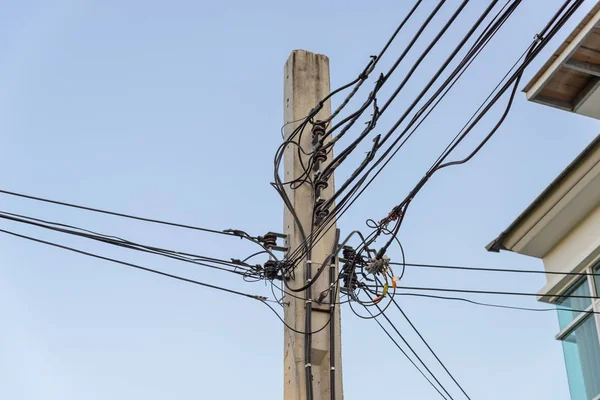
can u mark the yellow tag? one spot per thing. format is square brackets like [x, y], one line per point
[385, 289]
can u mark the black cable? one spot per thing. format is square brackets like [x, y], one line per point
[524, 271]
[406, 355]
[156, 221]
[484, 38]
[113, 240]
[430, 349]
[354, 116]
[281, 192]
[131, 265]
[473, 52]
[347, 151]
[431, 296]
[424, 180]
[492, 292]
[371, 66]
[533, 51]
[262, 299]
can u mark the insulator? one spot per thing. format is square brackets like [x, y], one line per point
[322, 213]
[269, 240]
[318, 129]
[270, 269]
[320, 184]
[320, 156]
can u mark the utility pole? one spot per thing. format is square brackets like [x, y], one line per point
[306, 83]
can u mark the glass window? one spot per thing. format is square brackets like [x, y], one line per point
[570, 307]
[582, 358]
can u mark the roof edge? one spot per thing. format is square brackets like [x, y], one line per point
[498, 243]
[563, 46]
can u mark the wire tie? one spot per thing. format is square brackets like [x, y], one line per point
[333, 368]
[332, 305]
[309, 280]
[309, 261]
[308, 365]
[309, 301]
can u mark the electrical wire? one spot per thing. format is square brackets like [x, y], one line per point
[430, 296]
[538, 45]
[114, 240]
[429, 348]
[97, 210]
[522, 271]
[472, 54]
[492, 292]
[409, 358]
[139, 267]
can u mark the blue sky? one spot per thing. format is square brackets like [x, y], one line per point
[173, 110]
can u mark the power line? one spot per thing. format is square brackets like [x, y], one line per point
[479, 303]
[98, 210]
[116, 241]
[429, 347]
[264, 300]
[406, 355]
[464, 268]
[480, 43]
[551, 27]
[131, 265]
[491, 292]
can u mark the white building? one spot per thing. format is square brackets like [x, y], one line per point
[562, 226]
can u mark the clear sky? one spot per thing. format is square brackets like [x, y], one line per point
[173, 110]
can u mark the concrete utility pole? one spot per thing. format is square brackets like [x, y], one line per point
[306, 83]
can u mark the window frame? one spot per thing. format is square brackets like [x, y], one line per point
[593, 307]
[592, 311]
[594, 268]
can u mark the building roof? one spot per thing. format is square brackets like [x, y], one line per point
[570, 79]
[574, 193]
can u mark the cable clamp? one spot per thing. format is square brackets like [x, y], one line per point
[308, 365]
[309, 301]
[333, 368]
[309, 261]
[309, 280]
[332, 305]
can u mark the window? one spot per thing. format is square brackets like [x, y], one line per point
[570, 307]
[580, 339]
[582, 357]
